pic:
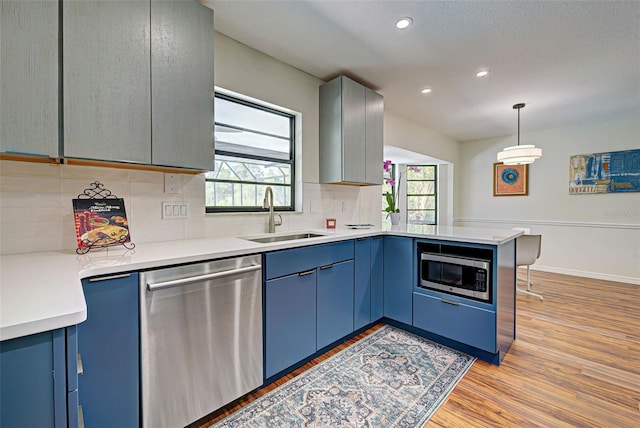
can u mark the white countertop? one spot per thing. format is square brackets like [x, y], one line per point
[42, 291]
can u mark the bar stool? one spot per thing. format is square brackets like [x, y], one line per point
[527, 252]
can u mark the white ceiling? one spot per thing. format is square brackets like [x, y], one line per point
[569, 61]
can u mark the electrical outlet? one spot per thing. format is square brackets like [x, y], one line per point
[175, 210]
[171, 183]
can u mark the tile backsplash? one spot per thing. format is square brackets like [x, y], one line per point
[36, 210]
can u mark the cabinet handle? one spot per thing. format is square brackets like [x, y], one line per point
[309, 272]
[326, 267]
[106, 278]
[361, 239]
[80, 368]
[451, 302]
[80, 417]
[377, 237]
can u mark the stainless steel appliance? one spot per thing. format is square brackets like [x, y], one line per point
[200, 337]
[462, 276]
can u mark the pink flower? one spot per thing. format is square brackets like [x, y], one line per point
[392, 197]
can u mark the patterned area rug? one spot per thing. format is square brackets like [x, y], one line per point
[390, 378]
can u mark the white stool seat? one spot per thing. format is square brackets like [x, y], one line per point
[527, 252]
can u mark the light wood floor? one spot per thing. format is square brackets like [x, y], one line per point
[575, 362]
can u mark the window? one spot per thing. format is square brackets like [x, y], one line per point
[254, 146]
[421, 195]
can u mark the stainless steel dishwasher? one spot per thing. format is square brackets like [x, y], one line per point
[200, 337]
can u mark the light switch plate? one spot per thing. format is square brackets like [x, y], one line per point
[171, 183]
[175, 210]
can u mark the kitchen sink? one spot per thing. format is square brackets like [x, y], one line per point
[278, 238]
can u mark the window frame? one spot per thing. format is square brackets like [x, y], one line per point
[291, 161]
[434, 194]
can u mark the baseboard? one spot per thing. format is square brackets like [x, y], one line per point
[587, 274]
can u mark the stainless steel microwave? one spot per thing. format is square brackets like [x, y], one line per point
[462, 276]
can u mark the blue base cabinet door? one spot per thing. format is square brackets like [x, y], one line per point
[362, 283]
[398, 278]
[335, 302]
[32, 393]
[108, 347]
[377, 280]
[368, 282]
[290, 320]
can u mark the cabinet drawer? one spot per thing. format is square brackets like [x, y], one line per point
[294, 260]
[465, 324]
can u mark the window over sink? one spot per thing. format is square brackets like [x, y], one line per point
[255, 149]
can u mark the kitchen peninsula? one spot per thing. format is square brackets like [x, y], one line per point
[43, 292]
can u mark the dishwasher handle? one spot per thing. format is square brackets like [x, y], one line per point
[217, 275]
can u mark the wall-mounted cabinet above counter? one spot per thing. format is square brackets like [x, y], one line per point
[136, 82]
[351, 133]
[29, 77]
[138, 85]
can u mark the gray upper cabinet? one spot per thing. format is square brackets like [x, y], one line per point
[374, 108]
[351, 139]
[106, 69]
[138, 82]
[182, 84]
[29, 77]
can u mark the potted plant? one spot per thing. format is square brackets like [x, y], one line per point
[392, 197]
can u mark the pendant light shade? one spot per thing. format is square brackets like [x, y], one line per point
[519, 155]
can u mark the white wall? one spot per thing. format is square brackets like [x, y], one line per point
[595, 235]
[409, 135]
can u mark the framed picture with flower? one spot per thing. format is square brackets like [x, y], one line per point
[510, 180]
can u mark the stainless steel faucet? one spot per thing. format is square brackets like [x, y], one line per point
[268, 203]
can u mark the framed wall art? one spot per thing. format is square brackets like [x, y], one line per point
[510, 180]
[609, 172]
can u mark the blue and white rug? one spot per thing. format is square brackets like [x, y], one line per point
[390, 378]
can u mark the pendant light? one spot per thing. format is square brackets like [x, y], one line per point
[519, 155]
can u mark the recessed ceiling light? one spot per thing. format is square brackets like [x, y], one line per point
[483, 73]
[403, 23]
[426, 91]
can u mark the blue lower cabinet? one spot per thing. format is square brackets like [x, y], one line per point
[368, 281]
[453, 319]
[377, 280]
[398, 278]
[290, 320]
[73, 410]
[362, 283]
[108, 388]
[32, 381]
[335, 302]
[71, 391]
